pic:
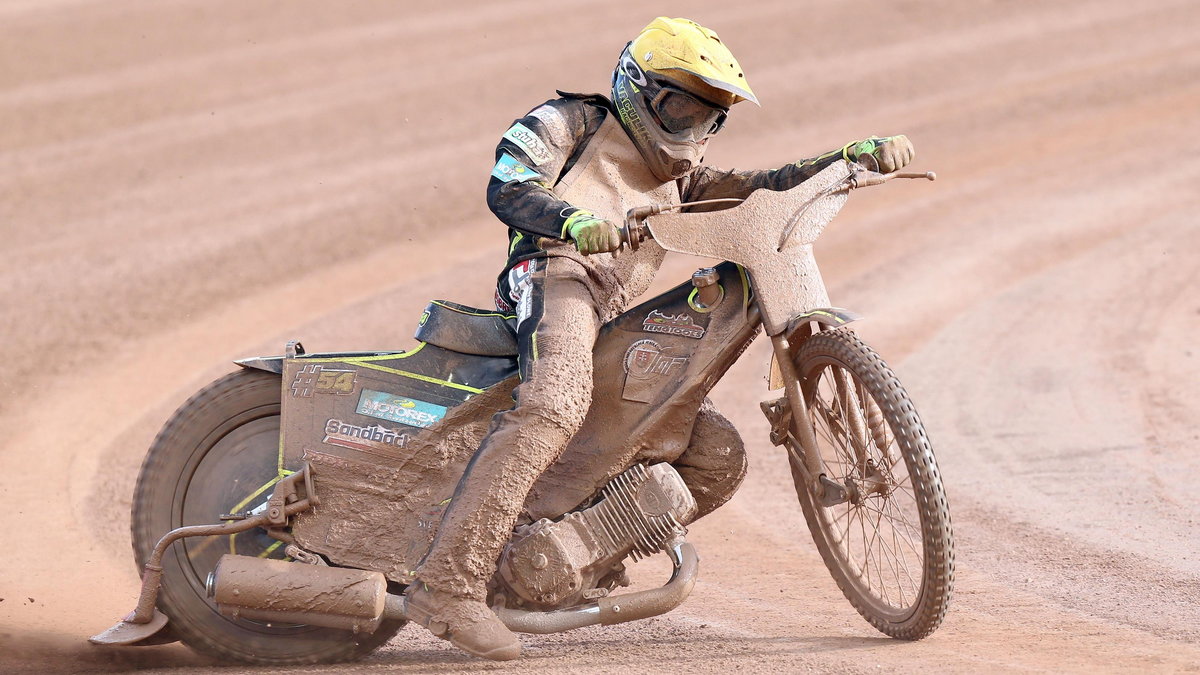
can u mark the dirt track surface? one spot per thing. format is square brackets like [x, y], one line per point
[183, 183]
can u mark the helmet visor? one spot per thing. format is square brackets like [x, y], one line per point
[678, 111]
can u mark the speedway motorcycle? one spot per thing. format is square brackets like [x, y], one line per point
[280, 512]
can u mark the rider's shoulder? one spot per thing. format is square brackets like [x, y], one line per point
[571, 111]
[597, 100]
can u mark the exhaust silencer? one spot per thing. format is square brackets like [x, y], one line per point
[357, 600]
[289, 592]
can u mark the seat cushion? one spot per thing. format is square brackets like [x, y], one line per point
[468, 330]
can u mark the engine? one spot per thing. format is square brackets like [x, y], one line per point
[561, 563]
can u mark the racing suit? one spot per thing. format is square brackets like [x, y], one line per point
[565, 156]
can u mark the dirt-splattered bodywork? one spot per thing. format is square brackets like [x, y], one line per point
[388, 435]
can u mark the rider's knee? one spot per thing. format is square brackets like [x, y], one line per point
[715, 463]
[563, 400]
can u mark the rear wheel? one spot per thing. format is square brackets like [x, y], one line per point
[881, 522]
[220, 453]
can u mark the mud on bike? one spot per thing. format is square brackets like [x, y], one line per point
[281, 510]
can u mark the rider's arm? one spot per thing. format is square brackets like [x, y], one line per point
[535, 151]
[709, 183]
[712, 183]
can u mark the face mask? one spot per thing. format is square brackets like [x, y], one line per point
[669, 126]
[678, 112]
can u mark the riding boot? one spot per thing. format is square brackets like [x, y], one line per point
[467, 624]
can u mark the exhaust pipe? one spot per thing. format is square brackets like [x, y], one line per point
[616, 608]
[358, 601]
[288, 592]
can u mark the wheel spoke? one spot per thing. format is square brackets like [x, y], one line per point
[896, 557]
[870, 546]
[910, 531]
[906, 535]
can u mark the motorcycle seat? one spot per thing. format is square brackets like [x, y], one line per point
[468, 330]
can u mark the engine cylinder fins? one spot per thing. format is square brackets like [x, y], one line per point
[642, 507]
[637, 514]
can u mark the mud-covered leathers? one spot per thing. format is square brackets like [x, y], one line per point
[561, 300]
[563, 128]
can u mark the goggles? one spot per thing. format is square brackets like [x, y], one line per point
[678, 111]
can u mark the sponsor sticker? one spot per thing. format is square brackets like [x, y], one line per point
[646, 359]
[550, 117]
[672, 324]
[520, 284]
[366, 439]
[508, 169]
[531, 143]
[315, 379]
[385, 406]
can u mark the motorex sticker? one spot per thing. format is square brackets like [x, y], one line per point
[412, 412]
[508, 169]
[528, 141]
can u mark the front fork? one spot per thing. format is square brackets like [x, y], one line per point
[857, 420]
[791, 426]
[790, 417]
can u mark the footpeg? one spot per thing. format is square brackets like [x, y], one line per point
[129, 633]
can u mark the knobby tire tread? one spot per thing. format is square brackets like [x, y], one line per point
[844, 346]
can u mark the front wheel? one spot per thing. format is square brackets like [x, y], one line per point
[879, 517]
[220, 453]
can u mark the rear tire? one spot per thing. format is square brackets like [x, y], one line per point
[220, 453]
[889, 543]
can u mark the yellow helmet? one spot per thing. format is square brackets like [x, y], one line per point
[672, 89]
[694, 57]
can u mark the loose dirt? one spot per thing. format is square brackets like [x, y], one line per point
[185, 183]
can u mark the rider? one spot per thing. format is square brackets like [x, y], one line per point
[565, 174]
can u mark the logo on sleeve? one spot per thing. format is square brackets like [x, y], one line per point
[508, 169]
[524, 138]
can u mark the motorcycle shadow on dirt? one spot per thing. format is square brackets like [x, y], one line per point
[717, 645]
[27, 653]
[615, 653]
[611, 653]
[413, 653]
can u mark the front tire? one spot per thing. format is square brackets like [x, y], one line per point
[220, 453]
[883, 528]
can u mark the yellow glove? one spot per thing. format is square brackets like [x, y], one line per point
[592, 234]
[890, 153]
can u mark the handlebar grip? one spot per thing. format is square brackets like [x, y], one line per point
[863, 179]
[634, 232]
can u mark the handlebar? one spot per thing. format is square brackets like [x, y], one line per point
[634, 232]
[865, 178]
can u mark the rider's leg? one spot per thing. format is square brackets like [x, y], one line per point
[556, 335]
[714, 464]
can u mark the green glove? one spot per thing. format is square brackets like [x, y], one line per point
[890, 153]
[592, 234]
